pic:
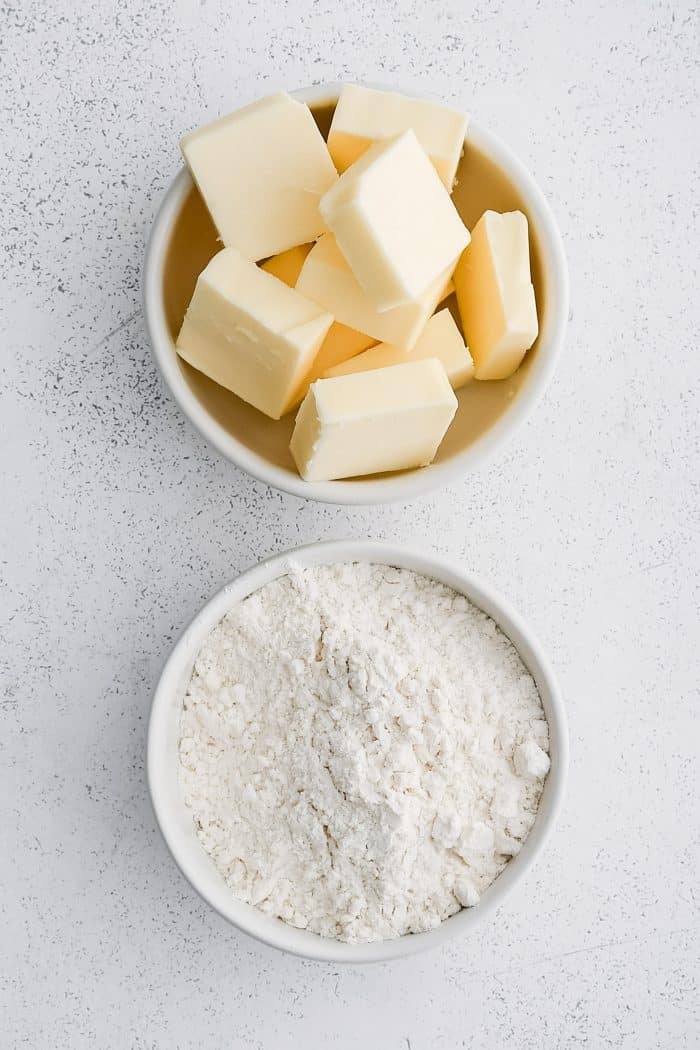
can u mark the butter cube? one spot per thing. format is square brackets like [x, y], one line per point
[495, 294]
[340, 344]
[248, 331]
[372, 422]
[394, 222]
[327, 279]
[287, 265]
[441, 339]
[262, 172]
[364, 116]
[447, 290]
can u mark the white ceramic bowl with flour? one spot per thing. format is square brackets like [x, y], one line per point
[175, 818]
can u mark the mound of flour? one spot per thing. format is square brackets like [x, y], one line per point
[362, 751]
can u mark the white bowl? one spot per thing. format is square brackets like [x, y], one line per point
[246, 438]
[176, 822]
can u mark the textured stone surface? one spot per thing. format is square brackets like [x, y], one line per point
[119, 521]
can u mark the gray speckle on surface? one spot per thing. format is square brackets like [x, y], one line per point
[119, 521]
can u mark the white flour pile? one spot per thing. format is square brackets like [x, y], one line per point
[362, 750]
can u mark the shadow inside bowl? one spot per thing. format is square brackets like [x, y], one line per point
[481, 185]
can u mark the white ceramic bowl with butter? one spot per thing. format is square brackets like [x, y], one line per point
[175, 819]
[489, 412]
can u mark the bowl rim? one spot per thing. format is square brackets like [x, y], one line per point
[391, 487]
[174, 819]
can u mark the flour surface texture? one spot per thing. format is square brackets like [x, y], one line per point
[362, 750]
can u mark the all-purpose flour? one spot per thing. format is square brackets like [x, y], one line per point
[362, 750]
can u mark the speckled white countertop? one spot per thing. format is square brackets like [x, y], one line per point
[119, 521]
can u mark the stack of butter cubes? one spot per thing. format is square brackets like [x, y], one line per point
[336, 255]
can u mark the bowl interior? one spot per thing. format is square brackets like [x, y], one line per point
[175, 819]
[482, 183]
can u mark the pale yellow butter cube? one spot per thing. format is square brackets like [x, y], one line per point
[327, 279]
[340, 344]
[495, 294]
[447, 290]
[372, 422]
[364, 116]
[441, 339]
[394, 222]
[249, 332]
[262, 172]
[287, 266]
